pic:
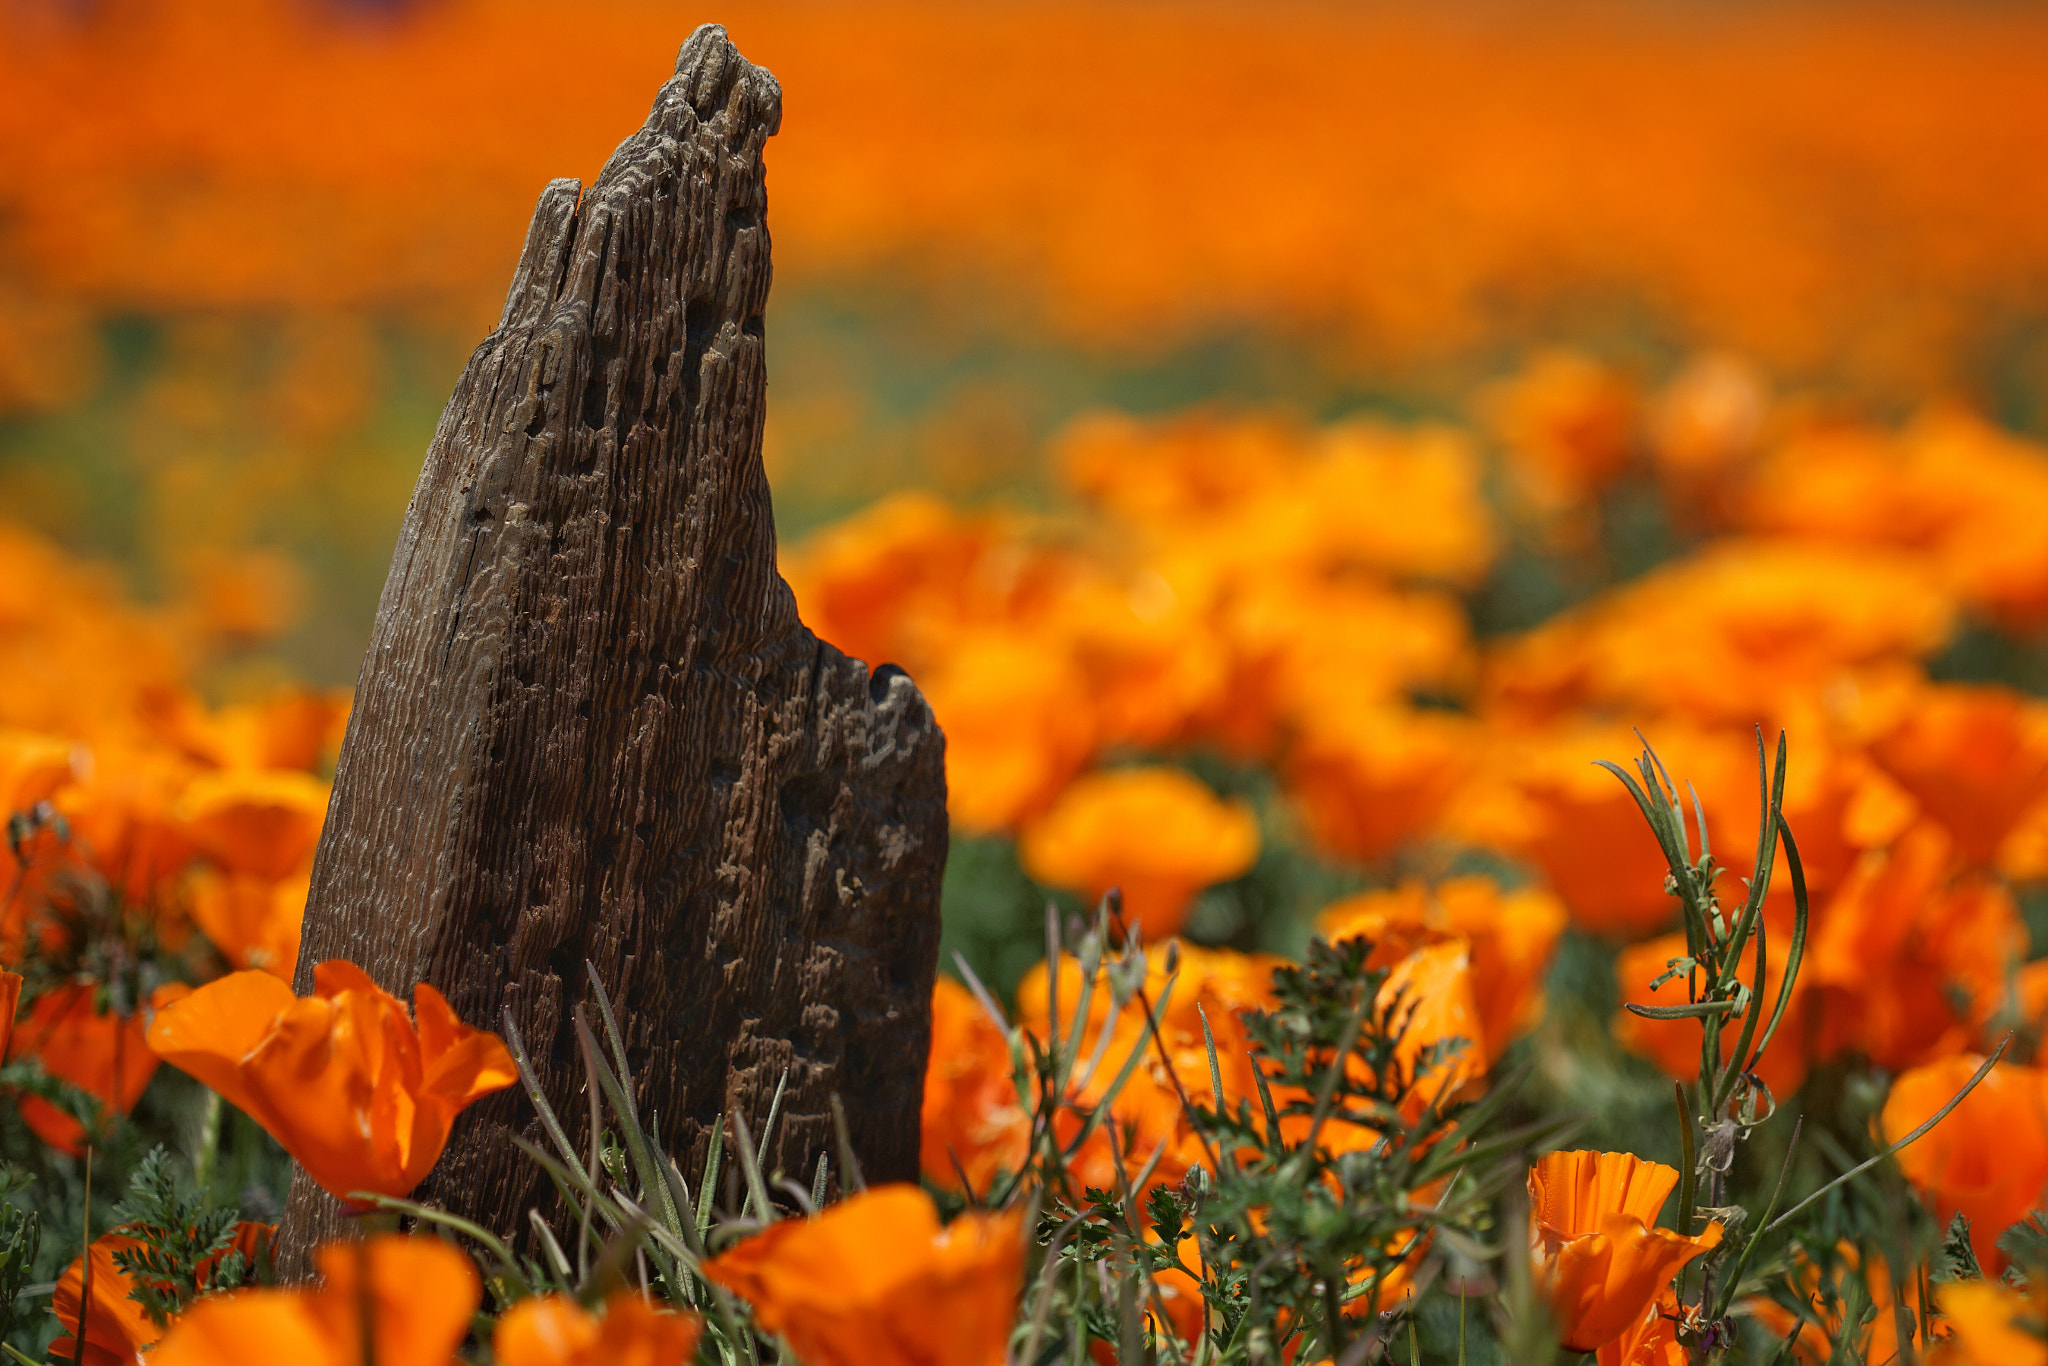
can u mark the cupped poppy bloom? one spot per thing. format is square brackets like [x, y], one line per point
[102, 1053]
[1991, 1324]
[1433, 983]
[1540, 796]
[1976, 758]
[1567, 423]
[355, 1087]
[1369, 779]
[1651, 1340]
[1599, 1253]
[1708, 422]
[554, 1330]
[118, 1330]
[875, 1281]
[877, 583]
[1740, 629]
[1329, 661]
[1157, 833]
[1221, 981]
[1988, 1158]
[416, 1296]
[292, 729]
[32, 768]
[253, 921]
[1169, 471]
[972, 1123]
[1949, 488]
[122, 814]
[1014, 733]
[1907, 962]
[1511, 934]
[1153, 665]
[263, 822]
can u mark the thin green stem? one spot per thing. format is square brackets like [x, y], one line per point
[84, 1267]
[1862, 1167]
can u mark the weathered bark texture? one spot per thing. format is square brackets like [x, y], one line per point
[591, 726]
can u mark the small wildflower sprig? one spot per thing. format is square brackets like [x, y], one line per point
[179, 1248]
[1333, 1202]
[21, 1235]
[1730, 1100]
[1320, 1208]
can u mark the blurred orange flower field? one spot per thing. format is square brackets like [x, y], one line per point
[1289, 447]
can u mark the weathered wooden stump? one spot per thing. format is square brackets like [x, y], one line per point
[591, 726]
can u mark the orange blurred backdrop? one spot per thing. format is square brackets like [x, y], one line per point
[245, 245]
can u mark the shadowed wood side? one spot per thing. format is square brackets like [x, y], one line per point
[590, 725]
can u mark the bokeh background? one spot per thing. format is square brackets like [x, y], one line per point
[245, 246]
[1369, 412]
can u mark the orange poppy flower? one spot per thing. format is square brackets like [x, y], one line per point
[117, 1328]
[123, 821]
[1742, 629]
[32, 768]
[345, 1079]
[554, 1330]
[868, 583]
[1906, 961]
[1157, 833]
[971, 1120]
[1151, 666]
[1568, 426]
[1511, 934]
[1989, 1158]
[1975, 758]
[293, 729]
[1708, 422]
[1434, 976]
[1651, 1341]
[1222, 981]
[1015, 733]
[1171, 471]
[1599, 1253]
[103, 1054]
[417, 1293]
[1541, 798]
[874, 1281]
[1949, 487]
[253, 921]
[262, 822]
[1369, 779]
[1991, 1324]
[1327, 663]
[1434, 982]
